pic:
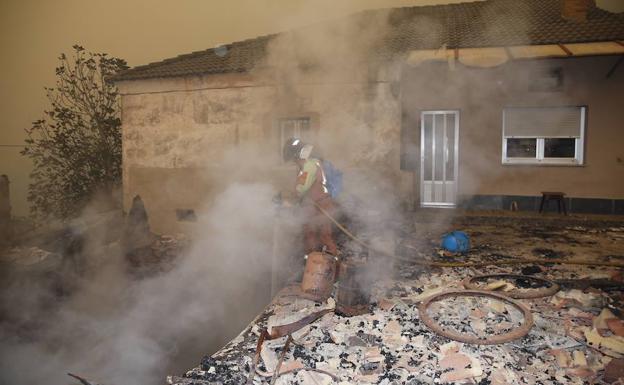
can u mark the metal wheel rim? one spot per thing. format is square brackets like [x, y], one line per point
[517, 333]
[469, 283]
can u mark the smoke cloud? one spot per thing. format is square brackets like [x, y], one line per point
[116, 329]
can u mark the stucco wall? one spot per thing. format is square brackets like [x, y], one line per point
[182, 138]
[481, 95]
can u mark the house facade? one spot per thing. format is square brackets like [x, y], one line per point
[516, 130]
[467, 105]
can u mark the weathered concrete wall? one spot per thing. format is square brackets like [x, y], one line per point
[481, 95]
[180, 135]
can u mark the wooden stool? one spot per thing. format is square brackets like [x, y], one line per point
[554, 196]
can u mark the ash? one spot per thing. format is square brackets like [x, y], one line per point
[577, 338]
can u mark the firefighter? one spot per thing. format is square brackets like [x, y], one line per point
[311, 190]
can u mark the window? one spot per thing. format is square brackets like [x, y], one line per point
[521, 148]
[543, 135]
[559, 148]
[293, 128]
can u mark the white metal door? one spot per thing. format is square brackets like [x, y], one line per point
[439, 140]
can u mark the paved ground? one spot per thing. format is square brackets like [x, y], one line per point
[523, 235]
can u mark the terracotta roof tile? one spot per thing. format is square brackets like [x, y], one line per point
[465, 25]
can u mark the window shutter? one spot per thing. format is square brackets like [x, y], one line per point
[550, 122]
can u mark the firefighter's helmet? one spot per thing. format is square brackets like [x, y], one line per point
[292, 149]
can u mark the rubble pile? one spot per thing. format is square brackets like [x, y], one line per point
[573, 340]
[28, 256]
[577, 333]
[159, 256]
[22, 265]
[476, 317]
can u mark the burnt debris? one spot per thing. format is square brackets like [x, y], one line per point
[576, 329]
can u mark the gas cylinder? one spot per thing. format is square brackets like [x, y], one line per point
[319, 276]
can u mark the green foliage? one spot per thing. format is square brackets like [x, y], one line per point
[76, 148]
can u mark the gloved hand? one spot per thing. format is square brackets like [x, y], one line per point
[277, 199]
[285, 199]
[289, 199]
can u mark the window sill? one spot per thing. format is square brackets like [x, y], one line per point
[533, 162]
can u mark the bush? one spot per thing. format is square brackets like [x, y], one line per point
[76, 148]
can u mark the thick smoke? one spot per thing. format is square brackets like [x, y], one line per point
[331, 69]
[117, 330]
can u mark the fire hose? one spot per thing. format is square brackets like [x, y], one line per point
[538, 261]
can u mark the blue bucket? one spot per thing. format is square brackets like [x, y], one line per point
[456, 242]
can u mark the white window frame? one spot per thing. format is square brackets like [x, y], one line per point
[539, 158]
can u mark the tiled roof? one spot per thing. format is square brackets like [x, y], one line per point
[489, 23]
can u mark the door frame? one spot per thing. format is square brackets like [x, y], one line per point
[422, 158]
